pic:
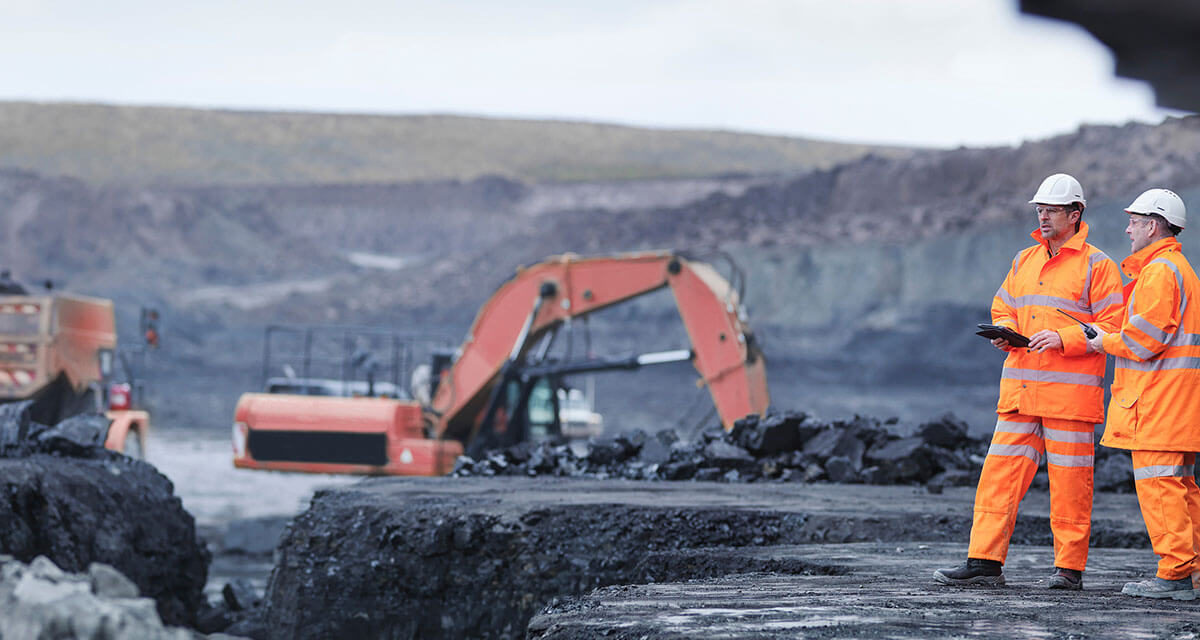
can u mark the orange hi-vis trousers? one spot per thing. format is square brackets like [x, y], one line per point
[1170, 501]
[1018, 445]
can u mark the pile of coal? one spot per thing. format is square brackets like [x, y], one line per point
[782, 447]
[67, 498]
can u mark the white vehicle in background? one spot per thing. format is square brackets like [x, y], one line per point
[578, 415]
[577, 418]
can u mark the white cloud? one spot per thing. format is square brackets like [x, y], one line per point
[941, 72]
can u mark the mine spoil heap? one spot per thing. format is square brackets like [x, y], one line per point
[69, 505]
[479, 555]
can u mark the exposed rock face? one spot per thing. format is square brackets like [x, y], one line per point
[78, 504]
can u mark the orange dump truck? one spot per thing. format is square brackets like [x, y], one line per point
[59, 350]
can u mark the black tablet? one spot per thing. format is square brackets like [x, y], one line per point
[993, 331]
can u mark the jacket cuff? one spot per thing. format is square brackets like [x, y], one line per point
[1074, 342]
[1111, 341]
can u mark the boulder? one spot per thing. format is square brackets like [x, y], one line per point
[40, 600]
[947, 431]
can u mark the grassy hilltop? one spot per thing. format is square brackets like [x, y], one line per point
[107, 144]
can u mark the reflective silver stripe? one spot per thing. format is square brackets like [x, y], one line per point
[1003, 426]
[1137, 349]
[1068, 461]
[1066, 304]
[1035, 375]
[1107, 302]
[1084, 299]
[1159, 364]
[1076, 437]
[1183, 301]
[1164, 471]
[1005, 297]
[1148, 328]
[1097, 257]
[1014, 450]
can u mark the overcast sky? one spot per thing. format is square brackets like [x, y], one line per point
[927, 72]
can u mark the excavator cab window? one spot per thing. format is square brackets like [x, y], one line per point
[542, 410]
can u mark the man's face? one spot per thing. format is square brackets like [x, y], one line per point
[1055, 222]
[1140, 231]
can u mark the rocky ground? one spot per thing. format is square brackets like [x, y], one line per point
[876, 590]
[503, 557]
[510, 556]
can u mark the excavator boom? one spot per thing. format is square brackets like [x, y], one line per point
[542, 296]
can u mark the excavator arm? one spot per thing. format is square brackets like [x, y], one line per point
[543, 296]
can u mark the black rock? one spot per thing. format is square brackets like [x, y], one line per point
[680, 470]
[14, 423]
[877, 475]
[841, 470]
[213, 619]
[954, 478]
[837, 441]
[604, 451]
[463, 466]
[240, 595]
[251, 627]
[654, 451]
[708, 473]
[947, 431]
[773, 434]
[635, 437]
[74, 436]
[908, 459]
[727, 455]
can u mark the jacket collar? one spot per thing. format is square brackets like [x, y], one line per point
[1132, 266]
[1074, 244]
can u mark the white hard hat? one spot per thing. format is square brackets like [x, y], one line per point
[1059, 188]
[1163, 202]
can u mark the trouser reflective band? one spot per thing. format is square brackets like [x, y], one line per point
[1170, 502]
[1019, 443]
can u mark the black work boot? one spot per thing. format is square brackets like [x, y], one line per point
[1065, 579]
[986, 573]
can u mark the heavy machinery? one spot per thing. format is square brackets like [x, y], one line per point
[60, 350]
[500, 387]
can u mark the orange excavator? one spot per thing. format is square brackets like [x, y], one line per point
[60, 350]
[500, 387]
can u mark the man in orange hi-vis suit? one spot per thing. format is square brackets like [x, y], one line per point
[1051, 393]
[1155, 406]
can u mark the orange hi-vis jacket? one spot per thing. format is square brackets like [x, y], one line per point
[1082, 281]
[1156, 383]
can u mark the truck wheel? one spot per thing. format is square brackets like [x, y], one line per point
[133, 445]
